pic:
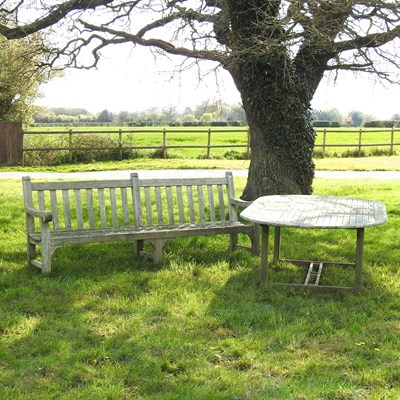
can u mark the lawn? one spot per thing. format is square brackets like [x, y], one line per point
[106, 325]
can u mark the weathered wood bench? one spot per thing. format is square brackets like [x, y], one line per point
[72, 212]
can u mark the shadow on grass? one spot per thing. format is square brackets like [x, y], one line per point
[105, 324]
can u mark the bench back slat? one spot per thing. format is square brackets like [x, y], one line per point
[125, 209]
[78, 202]
[170, 204]
[114, 214]
[67, 209]
[160, 215]
[221, 203]
[181, 210]
[200, 195]
[54, 209]
[210, 195]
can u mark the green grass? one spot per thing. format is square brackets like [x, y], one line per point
[383, 163]
[106, 325]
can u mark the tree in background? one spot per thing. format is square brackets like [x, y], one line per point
[20, 77]
[332, 115]
[105, 116]
[357, 118]
[276, 51]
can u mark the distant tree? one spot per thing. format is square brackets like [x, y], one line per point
[20, 77]
[332, 115]
[123, 116]
[105, 116]
[206, 119]
[236, 113]
[169, 115]
[396, 117]
[189, 119]
[357, 118]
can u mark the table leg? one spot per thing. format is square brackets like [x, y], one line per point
[277, 244]
[264, 254]
[359, 259]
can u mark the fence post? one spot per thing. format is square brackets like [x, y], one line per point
[208, 143]
[392, 141]
[11, 143]
[70, 145]
[120, 144]
[359, 142]
[164, 144]
[323, 142]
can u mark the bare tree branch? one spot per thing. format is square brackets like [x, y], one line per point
[56, 14]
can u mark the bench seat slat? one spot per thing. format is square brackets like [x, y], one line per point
[109, 234]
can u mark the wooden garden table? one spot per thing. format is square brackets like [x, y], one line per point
[319, 212]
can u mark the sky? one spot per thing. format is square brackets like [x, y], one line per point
[126, 82]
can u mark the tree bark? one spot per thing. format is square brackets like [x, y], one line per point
[281, 135]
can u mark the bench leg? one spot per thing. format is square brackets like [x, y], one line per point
[47, 252]
[234, 238]
[158, 245]
[31, 250]
[139, 247]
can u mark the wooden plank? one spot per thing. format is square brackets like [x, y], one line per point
[136, 199]
[149, 209]
[155, 182]
[41, 202]
[78, 206]
[114, 211]
[221, 202]
[90, 207]
[179, 196]
[211, 202]
[190, 203]
[319, 273]
[124, 203]
[95, 184]
[102, 207]
[159, 205]
[200, 195]
[54, 209]
[171, 219]
[67, 209]
[309, 273]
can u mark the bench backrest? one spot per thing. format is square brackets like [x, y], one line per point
[132, 202]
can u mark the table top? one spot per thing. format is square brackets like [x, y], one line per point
[306, 211]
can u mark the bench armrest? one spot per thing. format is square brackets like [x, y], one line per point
[240, 203]
[46, 216]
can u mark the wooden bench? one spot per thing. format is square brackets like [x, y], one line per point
[71, 212]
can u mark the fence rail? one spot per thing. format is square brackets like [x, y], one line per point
[163, 146]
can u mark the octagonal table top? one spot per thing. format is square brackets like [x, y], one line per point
[309, 211]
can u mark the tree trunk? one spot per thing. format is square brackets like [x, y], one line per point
[281, 135]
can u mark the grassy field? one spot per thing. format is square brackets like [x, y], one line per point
[106, 325]
[382, 163]
[221, 136]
